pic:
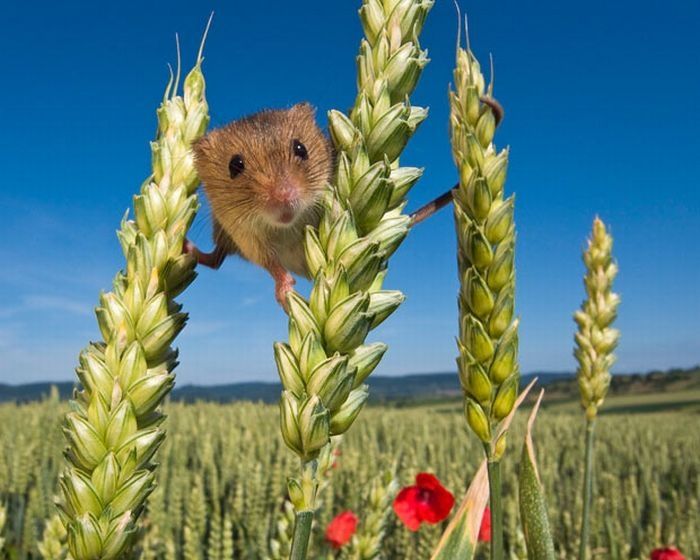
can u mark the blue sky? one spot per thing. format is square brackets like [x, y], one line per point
[602, 116]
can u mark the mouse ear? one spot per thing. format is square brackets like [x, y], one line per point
[305, 108]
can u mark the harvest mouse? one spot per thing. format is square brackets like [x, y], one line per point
[264, 176]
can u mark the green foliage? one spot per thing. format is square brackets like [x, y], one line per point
[648, 488]
[533, 505]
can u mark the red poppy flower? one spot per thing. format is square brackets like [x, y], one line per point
[669, 553]
[485, 529]
[341, 529]
[427, 501]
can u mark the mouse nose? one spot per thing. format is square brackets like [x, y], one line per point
[285, 192]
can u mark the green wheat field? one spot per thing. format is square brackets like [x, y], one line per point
[223, 469]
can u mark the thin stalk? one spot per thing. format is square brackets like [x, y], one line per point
[302, 533]
[587, 490]
[303, 495]
[494, 468]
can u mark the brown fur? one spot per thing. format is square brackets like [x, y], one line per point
[240, 205]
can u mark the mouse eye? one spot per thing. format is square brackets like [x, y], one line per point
[236, 165]
[299, 149]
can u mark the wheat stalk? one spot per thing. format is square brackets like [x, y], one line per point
[326, 361]
[595, 342]
[114, 427]
[488, 333]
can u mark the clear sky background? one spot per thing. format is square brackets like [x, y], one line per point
[602, 115]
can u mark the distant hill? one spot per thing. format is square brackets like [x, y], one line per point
[668, 381]
[400, 389]
[33, 391]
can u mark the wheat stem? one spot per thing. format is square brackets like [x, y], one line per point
[494, 470]
[587, 490]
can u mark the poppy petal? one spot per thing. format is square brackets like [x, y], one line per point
[427, 481]
[668, 553]
[406, 506]
[428, 501]
[341, 529]
[485, 529]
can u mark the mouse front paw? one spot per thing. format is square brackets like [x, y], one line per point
[189, 248]
[284, 284]
[212, 260]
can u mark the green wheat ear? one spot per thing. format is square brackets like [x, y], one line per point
[488, 332]
[114, 427]
[326, 361]
[595, 338]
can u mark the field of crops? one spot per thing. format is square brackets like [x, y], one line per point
[223, 470]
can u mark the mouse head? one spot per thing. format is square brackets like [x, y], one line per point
[272, 165]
